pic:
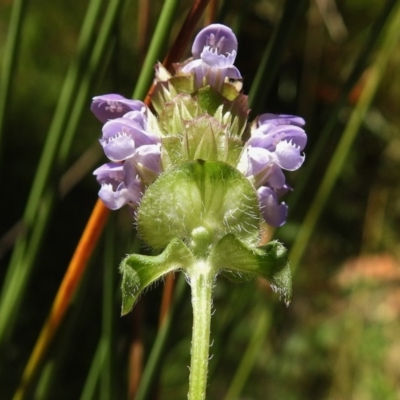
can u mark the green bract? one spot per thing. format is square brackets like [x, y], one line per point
[205, 214]
[199, 124]
[140, 271]
[201, 212]
[208, 195]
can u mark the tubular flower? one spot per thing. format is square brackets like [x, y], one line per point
[122, 136]
[128, 142]
[214, 51]
[275, 144]
[273, 212]
[120, 184]
[111, 106]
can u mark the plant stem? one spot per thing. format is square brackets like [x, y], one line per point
[201, 280]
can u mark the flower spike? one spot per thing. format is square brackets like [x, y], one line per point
[196, 185]
[200, 192]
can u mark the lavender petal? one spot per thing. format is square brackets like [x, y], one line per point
[111, 106]
[288, 156]
[122, 136]
[217, 36]
[280, 119]
[273, 212]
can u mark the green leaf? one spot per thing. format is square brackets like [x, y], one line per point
[210, 197]
[139, 271]
[269, 261]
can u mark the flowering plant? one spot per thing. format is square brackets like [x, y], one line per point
[199, 190]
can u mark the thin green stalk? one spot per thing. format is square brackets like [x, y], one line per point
[89, 390]
[8, 69]
[158, 42]
[272, 56]
[250, 355]
[201, 282]
[97, 56]
[11, 298]
[375, 75]
[45, 381]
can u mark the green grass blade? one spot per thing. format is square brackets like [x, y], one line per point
[62, 113]
[89, 390]
[153, 362]
[9, 62]
[358, 69]
[12, 293]
[158, 43]
[250, 355]
[97, 56]
[21, 263]
[375, 75]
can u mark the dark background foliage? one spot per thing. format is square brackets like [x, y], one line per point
[339, 337]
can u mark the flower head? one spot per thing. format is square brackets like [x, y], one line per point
[199, 191]
[214, 51]
[198, 117]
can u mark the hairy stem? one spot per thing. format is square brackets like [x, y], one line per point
[201, 280]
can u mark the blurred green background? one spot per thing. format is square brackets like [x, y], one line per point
[339, 339]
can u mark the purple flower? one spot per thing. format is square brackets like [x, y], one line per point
[271, 129]
[122, 136]
[111, 106]
[275, 144]
[214, 51]
[128, 142]
[120, 184]
[259, 165]
[273, 212]
[280, 119]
